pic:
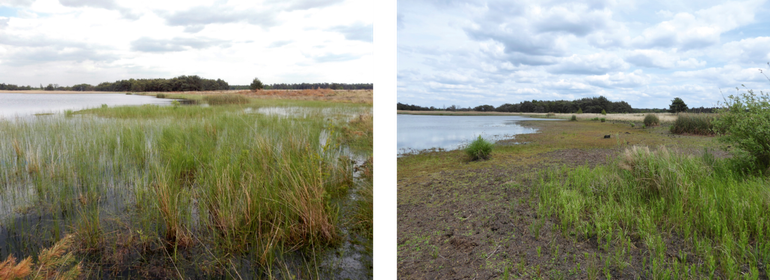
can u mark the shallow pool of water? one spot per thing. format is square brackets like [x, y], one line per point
[420, 132]
[28, 104]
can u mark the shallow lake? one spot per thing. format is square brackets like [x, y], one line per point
[419, 132]
[28, 104]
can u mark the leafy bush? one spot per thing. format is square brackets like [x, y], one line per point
[226, 99]
[602, 119]
[693, 123]
[161, 95]
[633, 124]
[580, 110]
[574, 118]
[479, 149]
[744, 121]
[651, 120]
[604, 112]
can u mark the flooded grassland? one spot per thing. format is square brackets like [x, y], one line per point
[227, 191]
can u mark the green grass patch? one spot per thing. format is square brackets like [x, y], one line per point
[479, 149]
[694, 124]
[225, 99]
[718, 213]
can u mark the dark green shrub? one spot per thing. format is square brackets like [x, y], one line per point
[693, 123]
[744, 121]
[574, 118]
[479, 149]
[160, 95]
[256, 84]
[651, 120]
[633, 124]
[602, 119]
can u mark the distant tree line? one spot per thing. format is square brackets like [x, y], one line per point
[689, 110]
[14, 87]
[585, 105]
[181, 83]
[310, 86]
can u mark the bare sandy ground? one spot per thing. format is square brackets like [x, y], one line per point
[634, 117]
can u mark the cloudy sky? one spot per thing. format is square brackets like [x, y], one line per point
[68, 42]
[646, 53]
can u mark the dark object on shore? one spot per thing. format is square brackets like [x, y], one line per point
[606, 136]
[628, 132]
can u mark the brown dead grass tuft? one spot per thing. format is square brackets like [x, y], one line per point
[9, 269]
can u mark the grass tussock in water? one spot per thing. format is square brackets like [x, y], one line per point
[648, 197]
[694, 124]
[225, 99]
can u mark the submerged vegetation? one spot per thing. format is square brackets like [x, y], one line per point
[189, 190]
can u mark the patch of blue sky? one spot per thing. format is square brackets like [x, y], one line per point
[7, 12]
[757, 29]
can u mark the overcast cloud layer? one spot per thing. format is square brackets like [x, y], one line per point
[68, 42]
[470, 53]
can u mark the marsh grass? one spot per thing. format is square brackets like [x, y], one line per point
[650, 195]
[192, 178]
[694, 124]
[225, 99]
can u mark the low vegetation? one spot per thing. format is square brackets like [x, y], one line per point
[694, 124]
[651, 120]
[225, 99]
[651, 198]
[479, 149]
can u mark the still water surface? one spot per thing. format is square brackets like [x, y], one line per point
[28, 104]
[419, 132]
